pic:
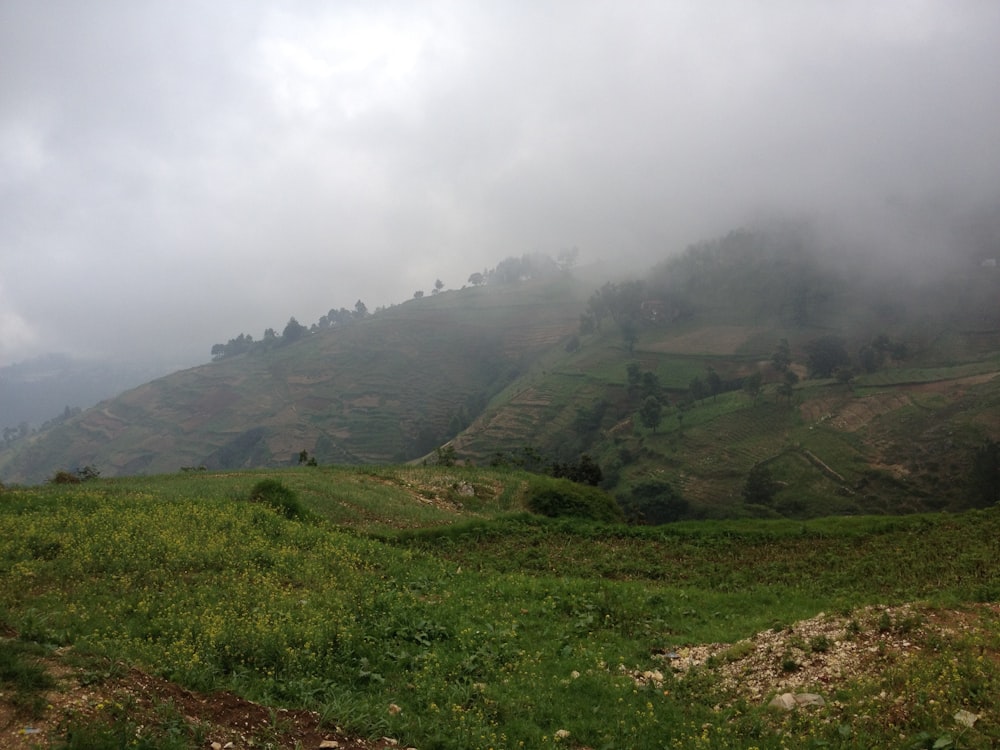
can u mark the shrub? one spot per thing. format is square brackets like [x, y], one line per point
[562, 498]
[65, 477]
[759, 487]
[653, 502]
[278, 496]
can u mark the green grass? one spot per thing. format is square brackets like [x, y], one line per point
[23, 676]
[487, 627]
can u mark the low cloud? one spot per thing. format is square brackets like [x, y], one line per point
[174, 174]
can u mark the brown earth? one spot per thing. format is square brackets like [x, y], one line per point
[224, 719]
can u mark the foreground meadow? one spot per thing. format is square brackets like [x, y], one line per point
[425, 606]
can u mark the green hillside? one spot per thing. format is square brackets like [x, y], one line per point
[894, 427]
[422, 606]
[884, 396]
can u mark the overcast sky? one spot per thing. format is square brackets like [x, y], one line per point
[174, 173]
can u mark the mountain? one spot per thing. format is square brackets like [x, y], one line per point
[896, 424]
[384, 389]
[757, 374]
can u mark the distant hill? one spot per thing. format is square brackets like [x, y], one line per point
[40, 389]
[893, 427]
[386, 389]
[758, 374]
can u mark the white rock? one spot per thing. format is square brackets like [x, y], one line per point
[809, 699]
[784, 702]
[966, 718]
[789, 701]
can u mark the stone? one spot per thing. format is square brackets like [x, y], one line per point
[783, 702]
[809, 699]
[966, 718]
[790, 701]
[329, 744]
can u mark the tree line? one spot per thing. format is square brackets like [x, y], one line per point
[292, 332]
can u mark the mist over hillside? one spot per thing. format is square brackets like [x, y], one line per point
[858, 384]
[174, 175]
[49, 387]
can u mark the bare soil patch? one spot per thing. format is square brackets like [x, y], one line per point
[226, 720]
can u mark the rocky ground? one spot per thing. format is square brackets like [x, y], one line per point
[780, 666]
[806, 663]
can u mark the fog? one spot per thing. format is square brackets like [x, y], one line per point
[175, 173]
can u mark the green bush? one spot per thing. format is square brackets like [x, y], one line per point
[558, 498]
[653, 502]
[278, 496]
[64, 477]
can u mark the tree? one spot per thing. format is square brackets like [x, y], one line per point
[786, 387]
[634, 374]
[438, 286]
[844, 375]
[651, 384]
[697, 388]
[293, 331]
[752, 385]
[782, 357]
[760, 487]
[682, 406]
[511, 270]
[418, 294]
[445, 455]
[477, 279]
[985, 474]
[588, 419]
[651, 412]
[360, 310]
[825, 354]
[869, 358]
[713, 381]
[584, 471]
[653, 502]
[630, 333]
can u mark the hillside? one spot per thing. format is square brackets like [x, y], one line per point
[422, 607]
[385, 389]
[885, 388]
[891, 426]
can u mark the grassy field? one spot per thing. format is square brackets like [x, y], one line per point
[424, 604]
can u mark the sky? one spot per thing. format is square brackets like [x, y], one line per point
[174, 173]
